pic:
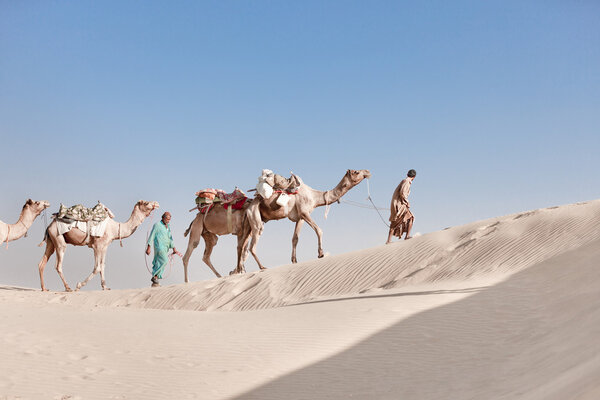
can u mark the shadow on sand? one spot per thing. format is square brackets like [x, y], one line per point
[533, 336]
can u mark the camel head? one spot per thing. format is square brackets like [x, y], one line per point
[36, 207]
[146, 207]
[355, 177]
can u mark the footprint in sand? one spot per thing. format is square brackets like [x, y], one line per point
[77, 357]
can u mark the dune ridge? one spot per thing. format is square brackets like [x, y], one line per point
[498, 246]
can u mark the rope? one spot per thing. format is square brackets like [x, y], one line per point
[45, 217]
[120, 239]
[376, 209]
[24, 226]
[361, 205]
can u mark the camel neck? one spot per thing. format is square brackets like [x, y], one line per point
[135, 220]
[19, 228]
[333, 195]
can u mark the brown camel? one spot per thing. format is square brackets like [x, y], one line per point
[210, 226]
[298, 210]
[30, 211]
[114, 230]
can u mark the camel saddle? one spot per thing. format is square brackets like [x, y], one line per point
[207, 198]
[98, 213]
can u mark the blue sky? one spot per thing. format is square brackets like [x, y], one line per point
[495, 104]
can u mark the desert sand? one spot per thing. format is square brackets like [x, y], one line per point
[506, 308]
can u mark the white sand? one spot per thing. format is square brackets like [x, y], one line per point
[507, 308]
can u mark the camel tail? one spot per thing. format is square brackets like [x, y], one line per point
[45, 238]
[188, 229]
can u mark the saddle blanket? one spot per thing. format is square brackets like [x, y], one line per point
[97, 229]
[211, 196]
[238, 205]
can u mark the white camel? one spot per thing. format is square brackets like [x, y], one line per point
[298, 210]
[114, 230]
[30, 211]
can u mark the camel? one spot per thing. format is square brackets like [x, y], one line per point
[298, 210]
[210, 226]
[114, 230]
[30, 211]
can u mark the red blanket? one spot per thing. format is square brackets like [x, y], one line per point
[238, 205]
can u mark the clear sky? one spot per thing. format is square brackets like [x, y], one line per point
[495, 104]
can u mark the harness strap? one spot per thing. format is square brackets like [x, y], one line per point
[8, 232]
[7, 235]
[120, 240]
[229, 219]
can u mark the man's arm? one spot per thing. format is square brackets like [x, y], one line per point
[172, 244]
[404, 192]
[150, 239]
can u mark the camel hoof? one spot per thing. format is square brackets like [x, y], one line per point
[68, 289]
[105, 288]
[79, 286]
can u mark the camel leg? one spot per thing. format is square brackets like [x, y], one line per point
[61, 247]
[254, 242]
[318, 231]
[94, 272]
[196, 229]
[242, 250]
[210, 240]
[256, 228]
[102, 266]
[299, 224]
[47, 254]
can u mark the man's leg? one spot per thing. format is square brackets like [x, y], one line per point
[158, 264]
[408, 227]
[389, 239]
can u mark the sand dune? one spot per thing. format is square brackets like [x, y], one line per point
[504, 308]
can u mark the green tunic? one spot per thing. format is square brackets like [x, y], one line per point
[161, 238]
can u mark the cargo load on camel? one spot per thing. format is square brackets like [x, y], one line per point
[89, 220]
[270, 183]
[206, 199]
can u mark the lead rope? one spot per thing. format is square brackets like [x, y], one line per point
[45, 218]
[376, 209]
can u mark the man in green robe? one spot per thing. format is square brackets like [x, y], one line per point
[161, 238]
